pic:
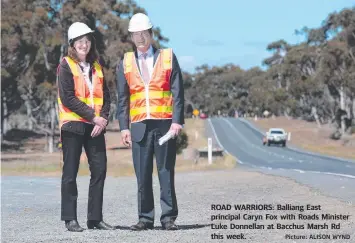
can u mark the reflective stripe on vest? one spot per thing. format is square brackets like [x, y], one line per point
[152, 101]
[97, 101]
[82, 92]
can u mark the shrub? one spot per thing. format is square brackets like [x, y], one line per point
[181, 142]
[335, 135]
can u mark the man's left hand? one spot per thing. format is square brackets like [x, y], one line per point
[176, 128]
[96, 131]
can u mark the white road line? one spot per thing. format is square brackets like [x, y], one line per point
[215, 135]
[300, 151]
[316, 172]
[300, 171]
[248, 142]
[219, 142]
[335, 174]
[320, 172]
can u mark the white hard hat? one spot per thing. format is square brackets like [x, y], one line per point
[139, 22]
[78, 29]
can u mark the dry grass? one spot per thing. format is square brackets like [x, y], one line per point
[119, 158]
[308, 136]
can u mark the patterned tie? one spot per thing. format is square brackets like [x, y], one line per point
[145, 72]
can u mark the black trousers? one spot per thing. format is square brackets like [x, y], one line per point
[95, 149]
[143, 153]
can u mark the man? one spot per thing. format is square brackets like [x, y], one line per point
[151, 96]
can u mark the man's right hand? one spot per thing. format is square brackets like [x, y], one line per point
[100, 121]
[126, 138]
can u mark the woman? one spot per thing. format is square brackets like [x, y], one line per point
[84, 105]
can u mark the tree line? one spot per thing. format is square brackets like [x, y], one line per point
[314, 80]
[34, 41]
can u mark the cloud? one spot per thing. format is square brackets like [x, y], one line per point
[207, 42]
[187, 63]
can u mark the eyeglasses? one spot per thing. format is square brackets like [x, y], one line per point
[144, 33]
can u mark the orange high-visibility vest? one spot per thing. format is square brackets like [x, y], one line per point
[82, 92]
[153, 100]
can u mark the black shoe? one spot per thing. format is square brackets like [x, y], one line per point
[170, 225]
[142, 226]
[73, 225]
[99, 225]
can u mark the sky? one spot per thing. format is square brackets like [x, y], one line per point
[234, 31]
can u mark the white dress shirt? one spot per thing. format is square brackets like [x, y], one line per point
[85, 69]
[149, 60]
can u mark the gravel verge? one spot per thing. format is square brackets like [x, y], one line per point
[31, 209]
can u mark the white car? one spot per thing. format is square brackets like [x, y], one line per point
[275, 136]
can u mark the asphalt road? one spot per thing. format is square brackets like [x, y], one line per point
[332, 176]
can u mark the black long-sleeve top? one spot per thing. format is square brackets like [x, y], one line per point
[69, 100]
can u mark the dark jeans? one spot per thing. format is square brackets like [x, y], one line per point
[95, 149]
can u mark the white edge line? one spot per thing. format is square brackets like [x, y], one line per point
[247, 141]
[297, 170]
[302, 151]
[327, 173]
[220, 144]
[316, 172]
[300, 171]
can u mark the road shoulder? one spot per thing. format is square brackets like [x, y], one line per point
[196, 192]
